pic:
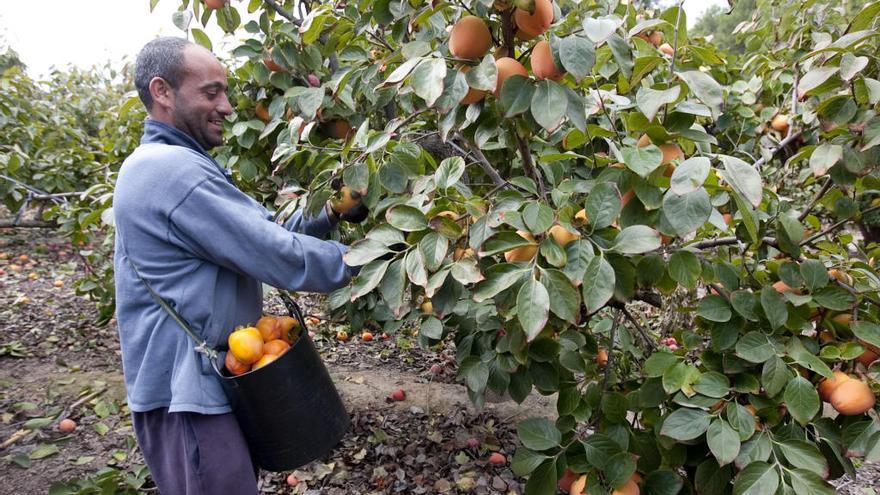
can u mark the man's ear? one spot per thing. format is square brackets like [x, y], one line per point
[162, 92]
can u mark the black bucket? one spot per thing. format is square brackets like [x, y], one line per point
[289, 410]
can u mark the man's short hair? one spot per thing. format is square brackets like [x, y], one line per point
[162, 57]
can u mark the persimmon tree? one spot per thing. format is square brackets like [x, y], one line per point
[603, 160]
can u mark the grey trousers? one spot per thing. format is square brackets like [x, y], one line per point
[195, 454]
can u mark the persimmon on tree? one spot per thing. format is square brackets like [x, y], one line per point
[537, 197]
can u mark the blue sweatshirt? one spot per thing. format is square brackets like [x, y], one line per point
[205, 247]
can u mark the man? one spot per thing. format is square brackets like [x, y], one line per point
[206, 248]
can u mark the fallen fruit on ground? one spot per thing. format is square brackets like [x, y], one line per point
[367, 336]
[246, 345]
[436, 369]
[497, 459]
[66, 425]
[292, 480]
[398, 395]
[852, 397]
[342, 336]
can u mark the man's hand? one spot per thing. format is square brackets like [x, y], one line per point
[347, 205]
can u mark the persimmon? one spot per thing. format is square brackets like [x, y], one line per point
[602, 357]
[338, 129]
[627, 197]
[666, 49]
[216, 4]
[262, 112]
[780, 123]
[347, 199]
[840, 276]
[367, 337]
[542, 62]
[867, 357]
[578, 486]
[581, 216]
[342, 336]
[628, 488]
[852, 397]
[655, 38]
[522, 253]
[66, 425]
[263, 361]
[285, 325]
[427, 307]
[235, 366]
[461, 253]
[246, 345]
[497, 459]
[276, 347]
[567, 479]
[470, 38]
[829, 385]
[562, 235]
[781, 287]
[268, 327]
[271, 64]
[507, 67]
[537, 22]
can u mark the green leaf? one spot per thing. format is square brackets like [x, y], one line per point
[650, 100]
[663, 482]
[449, 172]
[704, 87]
[867, 331]
[599, 280]
[599, 448]
[801, 399]
[368, 278]
[688, 212]
[483, 76]
[714, 308]
[577, 56]
[603, 205]
[824, 157]
[364, 251]
[685, 424]
[466, 271]
[549, 104]
[525, 461]
[690, 175]
[44, 450]
[543, 479]
[805, 455]
[636, 239]
[406, 218]
[532, 307]
[774, 376]
[806, 358]
[814, 78]
[684, 268]
[427, 79]
[434, 248]
[712, 479]
[745, 303]
[538, 217]
[814, 274]
[774, 307]
[475, 373]
[201, 38]
[516, 95]
[809, 483]
[755, 347]
[620, 468]
[415, 268]
[499, 277]
[431, 328]
[601, 28]
[723, 442]
[659, 362]
[743, 178]
[538, 434]
[758, 478]
[642, 161]
[564, 297]
[834, 298]
[712, 384]
[743, 421]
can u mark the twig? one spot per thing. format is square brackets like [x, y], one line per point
[483, 161]
[529, 165]
[855, 293]
[674, 50]
[639, 327]
[835, 226]
[816, 199]
[18, 435]
[27, 224]
[605, 111]
[610, 362]
[78, 403]
[283, 13]
[782, 144]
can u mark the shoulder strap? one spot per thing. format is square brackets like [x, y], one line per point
[202, 346]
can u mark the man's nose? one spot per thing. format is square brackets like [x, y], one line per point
[225, 107]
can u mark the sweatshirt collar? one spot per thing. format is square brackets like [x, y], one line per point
[156, 132]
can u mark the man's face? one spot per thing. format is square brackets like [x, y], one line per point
[200, 103]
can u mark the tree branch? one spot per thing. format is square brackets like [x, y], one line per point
[27, 224]
[782, 144]
[610, 362]
[283, 13]
[483, 161]
[816, 199]
[639, 327]
[529, 165]
[835, 226]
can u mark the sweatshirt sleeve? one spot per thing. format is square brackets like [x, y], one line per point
[221, 224]
[318, 226]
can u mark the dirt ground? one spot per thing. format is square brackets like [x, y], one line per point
[55, 362]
